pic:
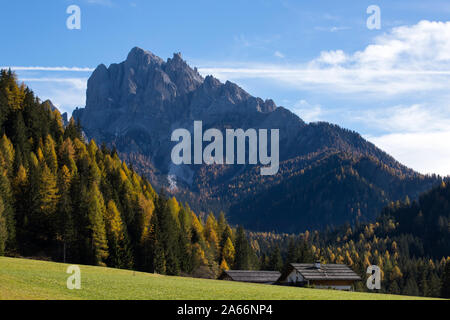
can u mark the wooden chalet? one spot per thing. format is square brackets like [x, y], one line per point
[264, 277]
[334, 276]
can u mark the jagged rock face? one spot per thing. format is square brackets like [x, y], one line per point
[145, 99]
[136, 105]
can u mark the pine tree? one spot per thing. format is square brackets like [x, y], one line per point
[185, 256]
[147, 208]
[228, 252]
[65, 223]
[48, 196]
[276, 261]
[159, 260]
[8, 152]
[119, 252]
[168, 236]
[67, 154]
[50, 154]
[48, 192]
[186, 259]
[19, 138]
[435, 286]
[148, 248]
[114, 224]
[211, 235]
[221, 225]
[20, 184]
[224, 266]
[394, 288]
[445, 287]
[242, 260]
[411, 288]
[226, 234]
[96, 212]
[8, 211]
[3, 230]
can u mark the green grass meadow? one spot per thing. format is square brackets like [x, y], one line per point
[22, 279]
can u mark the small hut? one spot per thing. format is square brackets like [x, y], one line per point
[265, 277]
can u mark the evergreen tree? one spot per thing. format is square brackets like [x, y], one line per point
[225, 235]
[48, 192]
[186, 260]
[276, 261]
[96, 213]
[168, 236]
[445, 288]
[221, 225]
[148, 259]
[394, 288]
[224, 266]
[50, 154]
[242, 247]
[3, 230]
[159, 260]
[228, 252]
[66, 232]
[211, 235]
[435, 286]
[48, 197]
[8, 153]
[119, 252]
[8, 210]
[292, 254]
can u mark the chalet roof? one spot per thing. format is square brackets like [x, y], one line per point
[326, 272]
[252, 276]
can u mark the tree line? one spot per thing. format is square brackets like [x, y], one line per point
[410, 242]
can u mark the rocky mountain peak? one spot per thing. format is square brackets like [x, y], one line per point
[182, 75]
[141, 57]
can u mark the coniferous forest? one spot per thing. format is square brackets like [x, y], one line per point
[68, 200]
[410, 243]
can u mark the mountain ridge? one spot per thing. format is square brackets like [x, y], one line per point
[135, 105]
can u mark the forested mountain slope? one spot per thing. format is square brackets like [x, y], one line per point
[410, 242]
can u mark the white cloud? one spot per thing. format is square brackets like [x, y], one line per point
[79, 83]
[408, 63]
[278, 54]
[336, 79]
[57, 69]
[424, 46]
[426, 152]
[417, 135]
[57, 84]
[65, 93]
[307, 111]
[331, 29]
[332, 57]
[408, 59]
[411, 119]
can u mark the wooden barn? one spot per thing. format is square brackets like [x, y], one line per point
[265, 277]
[334, 276]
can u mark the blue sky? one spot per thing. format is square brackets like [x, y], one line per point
[317, 58]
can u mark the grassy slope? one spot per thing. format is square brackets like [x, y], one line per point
[29, 279]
